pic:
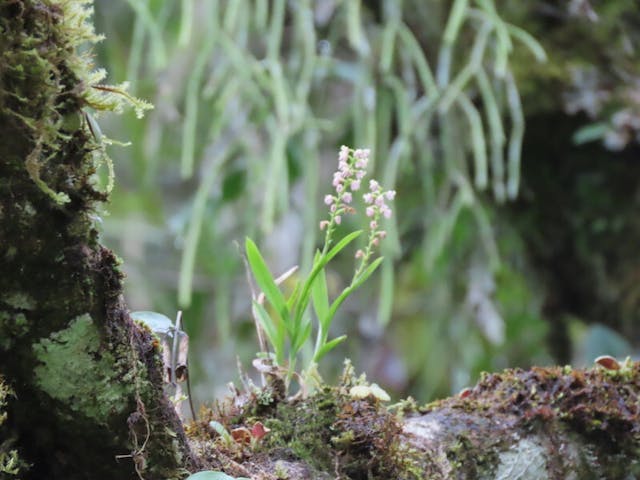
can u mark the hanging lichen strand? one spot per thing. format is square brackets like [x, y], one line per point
[88, 397]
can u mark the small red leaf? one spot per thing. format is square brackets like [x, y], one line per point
[465, 392]
[259, 430]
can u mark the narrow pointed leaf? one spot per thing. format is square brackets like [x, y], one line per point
[364, 276]
[304, 335]
[265, 280]
[341, 244]
[317, 267]
[275, 332]
[349, 290]
[327, 347]
[320, 295]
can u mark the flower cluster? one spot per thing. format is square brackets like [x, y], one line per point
[352, 165]
[376, 200]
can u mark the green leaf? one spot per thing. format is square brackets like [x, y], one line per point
[589, 133]
[221, 430]
[213, 475]
[265, 280]
[291, 301]
[299, 342]
[350, 289]
[341, 244]
[274, 331]
[318, 265]
[327, 347]
[320, 295]
[367, 273]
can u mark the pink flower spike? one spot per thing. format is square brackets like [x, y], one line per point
[368, 197]
[339, 188]
[361, 163]
[380, 201]
[361, 153]
[355, 185]
[333, 208]
[382, 234]
[373, 225]
[328, 199]
[374, 186]
[375, 241]
[359, 254]
[324, 224]
[338, 219]
[362, 157]
[346, 197]
[391, 194]
[370, 211]
[343, 156]
[360, 174]
[386, 211]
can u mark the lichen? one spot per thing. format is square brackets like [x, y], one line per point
[526, 460]
[75, 370]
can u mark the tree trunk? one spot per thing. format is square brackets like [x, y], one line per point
[87, 381]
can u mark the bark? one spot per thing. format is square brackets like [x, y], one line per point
[546, 423]
[86, 380]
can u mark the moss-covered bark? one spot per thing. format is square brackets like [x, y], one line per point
[543, 424]
[87, 381]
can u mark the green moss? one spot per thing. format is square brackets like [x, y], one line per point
[305, 428]
[12, 327]
[11, 466]
[330, 430]
[74, 370]
[596, 408]
[18, 300]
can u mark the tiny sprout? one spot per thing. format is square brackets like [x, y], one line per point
[259, 430]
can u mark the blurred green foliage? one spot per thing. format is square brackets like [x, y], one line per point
[252, 100]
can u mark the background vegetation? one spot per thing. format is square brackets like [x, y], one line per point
[508, 130]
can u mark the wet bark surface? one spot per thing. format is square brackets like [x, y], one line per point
[86, 380]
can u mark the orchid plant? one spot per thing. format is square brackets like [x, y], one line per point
[286, 322]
